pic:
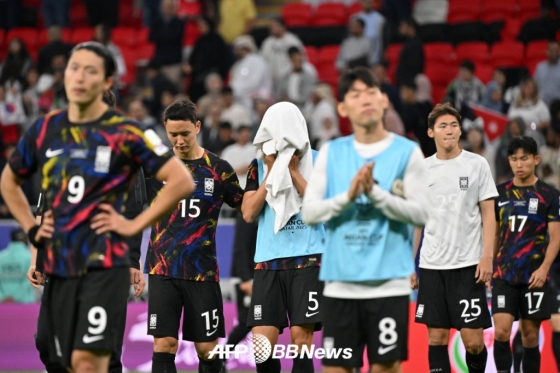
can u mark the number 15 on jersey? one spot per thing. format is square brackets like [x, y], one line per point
[193, 209]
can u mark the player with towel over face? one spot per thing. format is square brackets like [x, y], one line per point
[286, 287]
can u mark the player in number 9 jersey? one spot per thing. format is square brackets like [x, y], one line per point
[528, 239]
[181, 258]
[88, 156]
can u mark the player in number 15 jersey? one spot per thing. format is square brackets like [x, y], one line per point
[181, 258]
[528, 239]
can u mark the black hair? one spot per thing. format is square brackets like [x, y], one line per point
[467, 64]
[181, 110]
[243, 127]
[527, 143]
[346, 81]
[280, 20]
[225, 126]
[410, 22]
[410, 83]
[226, 90]
[442, 109]
[102, 51]
[293, 50]
[360, 21]
[109, 98]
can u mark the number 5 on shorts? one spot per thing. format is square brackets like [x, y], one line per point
[313, 306]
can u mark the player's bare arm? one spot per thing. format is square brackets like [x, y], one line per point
[253, 201]
[415, 246]
[484, 268]
[179, 184]
[538, 278]
[299, 182]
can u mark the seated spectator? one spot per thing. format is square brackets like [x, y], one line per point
[250, 76]
[415, 117]
[232, 112]
[411, 58]
[321, 116]
[297, 83]
[548, 169]
[356, 50]
[476, 143]
[374, 25]
[240, 154]
[16, 63]
[209, 55]
[14, 263]
[102, 34]
[275, 49]
[167, 34]
[493, 98]
[515, 127]
[214, 85]
[157, 84]
[237, 17]
[467, 88]
[380, 73]
[547, 73]
[532, 109]
[12, 113]
[54, 47]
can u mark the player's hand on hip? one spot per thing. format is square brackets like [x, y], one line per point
[538, 278]
[109, 220]
[46, 229]
[414, 281]
[138, 281]
[484, 270]
[246, 287]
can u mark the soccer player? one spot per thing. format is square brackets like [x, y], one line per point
[181, 258]
[526, 212]
[367, 187]
[286, 279]
[88, 156]
[456, 255]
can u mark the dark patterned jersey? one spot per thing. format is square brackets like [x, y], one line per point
[84, 165]
[183, 243]
[523, 214]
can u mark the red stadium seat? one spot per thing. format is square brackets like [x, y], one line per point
[330, 14]
[191, 33]
[534, 54]
[82, 34]
[130, 55]
[355, 8]
[143, 35]
[496, 10]
[505, 54]
[327, 56]
[312, 55]
[29, 36]
[297, 14]
[440, 75]
[145, 51]
[511, 29]
[392, 53]
[43, 36]
[463, 11]
[484, 72]
[442, 53]
[438, 93]
[78, 16]
[528, 6]
[130, 16]
[189, 8]
[475, 51]
[124, 36]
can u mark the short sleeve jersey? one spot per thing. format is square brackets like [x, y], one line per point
[453, 232]
[82, 166]
[523, 214]
[183, 243]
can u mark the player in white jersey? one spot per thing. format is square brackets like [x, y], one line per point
[456, 252]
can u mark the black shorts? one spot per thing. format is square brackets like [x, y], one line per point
[291, 293]
[520, 301]
[381, 324]
[554, 291]
[452, 299]
[199, 301]
[86, 312]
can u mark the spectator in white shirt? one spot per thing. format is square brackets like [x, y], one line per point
[321, 116]
[547, 73]
[240, 154]
[356, 50]
[374, 23]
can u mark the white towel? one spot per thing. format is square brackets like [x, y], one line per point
[283, 131]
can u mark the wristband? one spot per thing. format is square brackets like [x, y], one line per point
[31, 235]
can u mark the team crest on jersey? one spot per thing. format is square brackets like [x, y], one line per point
[464, 183]
[420, 311]
[257, 312]
[102, 159]
[208, 186]
[398, 188]
[533, 205]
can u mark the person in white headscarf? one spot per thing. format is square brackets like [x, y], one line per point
[250, 75]
[321, 116]
[288, 251]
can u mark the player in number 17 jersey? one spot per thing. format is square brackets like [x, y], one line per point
[528, 239]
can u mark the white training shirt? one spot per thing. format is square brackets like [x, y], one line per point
[453, 233]
[410, 209]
